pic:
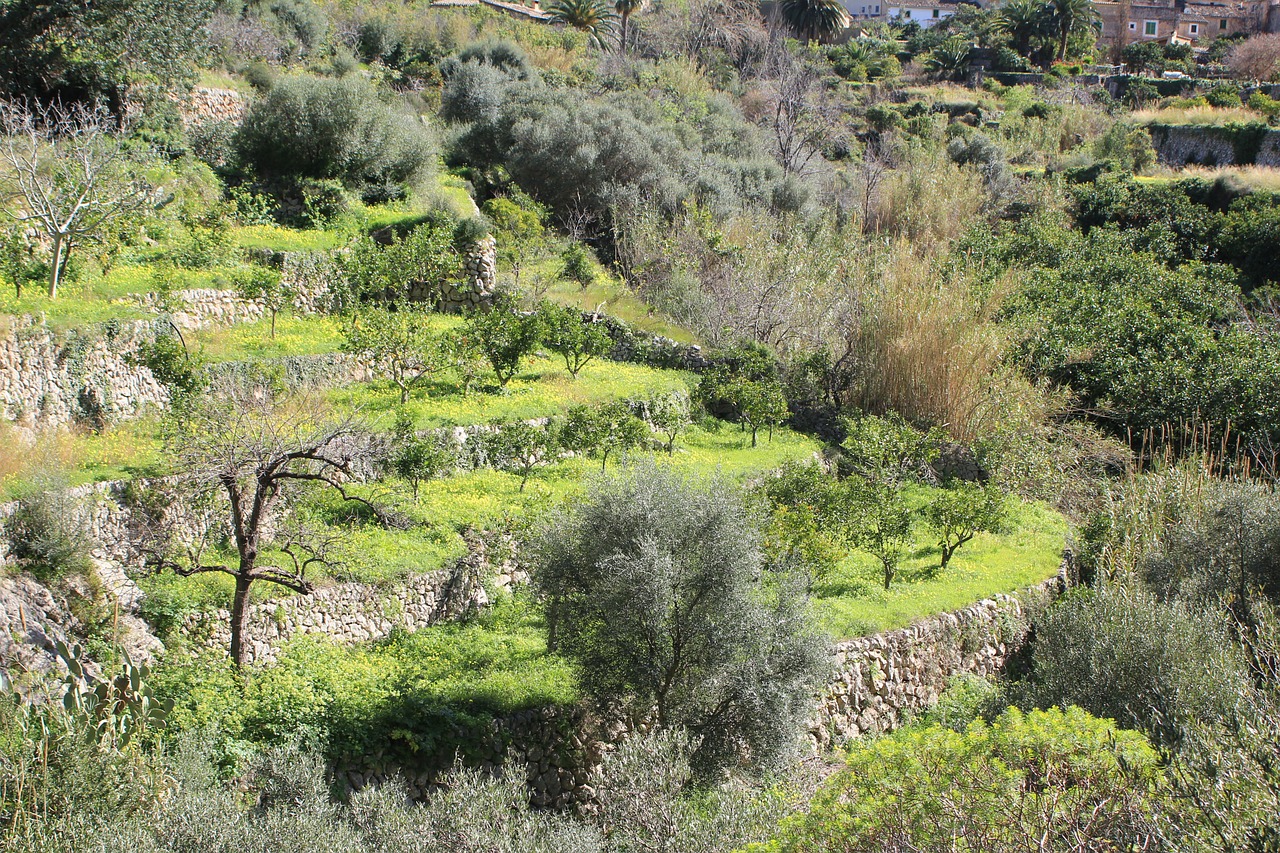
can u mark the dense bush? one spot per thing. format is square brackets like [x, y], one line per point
[653, 586]
[585, 157]
[307, 127]
[1144, 345]
[1127, 656]
[47, 534]
[1046, 780]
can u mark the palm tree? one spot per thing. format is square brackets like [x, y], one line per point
[1023, 20]
[1066, 16]
[814, 20]
[596, 18]
[949, 59]
[625, 9]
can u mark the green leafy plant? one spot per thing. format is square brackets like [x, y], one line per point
[963, 510]
[519, 447]
[601, 430]
[265, 286]
[670, 416]
[416, 457]
[565, 332]
[505, 336]
[395, 344]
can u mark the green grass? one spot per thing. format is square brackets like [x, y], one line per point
[77, 457]
[854, 602]
[295, 335]
[281, 239]
[418, 697]
[608, 295]
[368, 553]
[543, 388]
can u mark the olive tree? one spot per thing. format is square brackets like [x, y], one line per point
[66, 175]
[654, 585]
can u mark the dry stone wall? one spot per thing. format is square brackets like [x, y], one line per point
[209, 106]
[348, 612]
[881, 679]
[478, 287]
[1180, 145]
[51, 378]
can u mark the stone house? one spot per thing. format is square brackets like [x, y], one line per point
[1182, 21]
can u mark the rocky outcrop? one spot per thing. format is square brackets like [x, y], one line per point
[32, 620]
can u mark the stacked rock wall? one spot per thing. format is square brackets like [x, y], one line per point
[348, 612]
[881, 679]
[208, 106]
[1180, 145]
[50, 378]
[478, 287]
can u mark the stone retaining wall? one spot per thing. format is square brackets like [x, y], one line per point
[478, 288]
[879, 680]
[207, 106]
[1180, 145]
[50, 378]
[352, 612]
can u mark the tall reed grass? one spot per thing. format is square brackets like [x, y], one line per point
[925, 344]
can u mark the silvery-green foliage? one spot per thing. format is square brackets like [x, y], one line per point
[654, 584]
[647, 801]
[471, 813]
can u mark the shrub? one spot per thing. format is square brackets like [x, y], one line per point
[963, 510]
[1223, 95]
[47, 536]
[1048, 780]
[426, 258]
[567, 334]
[575, 265]
[505, 336]
[1125, 655]
[652, 585]
[600, 430]
[307, 127]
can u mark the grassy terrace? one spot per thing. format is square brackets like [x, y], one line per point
[854, 602]
[483, 498]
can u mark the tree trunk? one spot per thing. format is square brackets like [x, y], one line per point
[622, 39]
[239, 619]
[553, 623]
[1062, 44]
[273, 325]
[55, 268]
[754, 431]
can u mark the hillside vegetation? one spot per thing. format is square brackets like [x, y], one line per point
[435, 427]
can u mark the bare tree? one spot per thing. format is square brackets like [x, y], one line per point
[1256, 58]
[68, 176]
[244, 455]
[802, 121]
